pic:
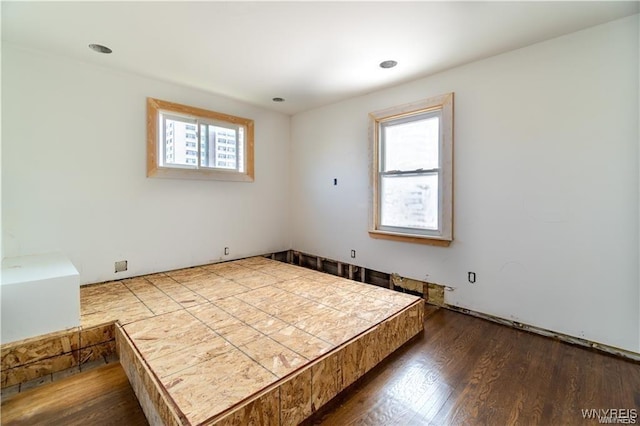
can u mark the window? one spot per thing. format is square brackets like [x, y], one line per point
[412, 172]
[183, 142]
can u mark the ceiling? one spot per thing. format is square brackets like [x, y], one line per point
[310, 53]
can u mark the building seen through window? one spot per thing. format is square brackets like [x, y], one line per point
[219, 147]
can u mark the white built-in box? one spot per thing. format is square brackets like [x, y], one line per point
[39, 294]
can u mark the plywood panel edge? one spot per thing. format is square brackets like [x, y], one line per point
[156, 405]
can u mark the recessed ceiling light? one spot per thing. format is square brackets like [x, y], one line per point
[278, 99]
[388, 64]
[100, 48]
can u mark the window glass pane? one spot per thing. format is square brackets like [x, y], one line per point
[178, 139]
[205, 161]
[218, 146]
[240, 149]
[409, 201]
[411, 144]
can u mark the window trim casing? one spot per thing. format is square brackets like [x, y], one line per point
[155, 106]
[444, 103]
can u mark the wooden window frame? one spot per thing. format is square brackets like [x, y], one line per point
[443, 103]
[154, 169]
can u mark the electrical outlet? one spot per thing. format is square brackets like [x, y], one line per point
[471, 276]
[226, 251]
[353, 254]
[121, 266]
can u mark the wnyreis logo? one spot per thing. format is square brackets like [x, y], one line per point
[628, 416]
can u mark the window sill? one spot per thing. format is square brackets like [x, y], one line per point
[171, 173]
[406, 238]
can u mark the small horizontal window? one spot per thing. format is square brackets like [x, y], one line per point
[183, 142]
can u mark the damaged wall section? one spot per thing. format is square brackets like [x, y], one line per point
[431, 292]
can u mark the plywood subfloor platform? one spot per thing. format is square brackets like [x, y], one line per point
[253, 339]
[464, 370]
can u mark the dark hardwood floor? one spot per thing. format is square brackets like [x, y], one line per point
[468, 371]
[462, 371]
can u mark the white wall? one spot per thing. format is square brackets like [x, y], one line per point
[546, 181]
[546, 185]
[74, 165]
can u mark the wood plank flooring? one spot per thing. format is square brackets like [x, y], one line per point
[468, 371]
[101, 396]
[464, 370]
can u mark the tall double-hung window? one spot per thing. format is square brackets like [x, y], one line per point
[193, 143]
[412, 172]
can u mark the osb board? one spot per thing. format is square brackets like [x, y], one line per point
[354, 359]
[295, 398]
[217, 385]
[369, 349]
[39, 368]
[273, 356]
[97, 352]
[90, 336]
[262, 411]
[123, 314]
[153, 402]
[320, 381]
[29, 359]
[234, 375]
[28, 351]
[326, 379]
[436, 294]
[277, 318]
[408, 283]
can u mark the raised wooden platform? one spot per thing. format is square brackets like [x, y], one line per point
[235, 342]
[463, 370]
[257, 340]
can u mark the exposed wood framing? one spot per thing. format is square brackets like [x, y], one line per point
[434, 294]
[350, 271]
